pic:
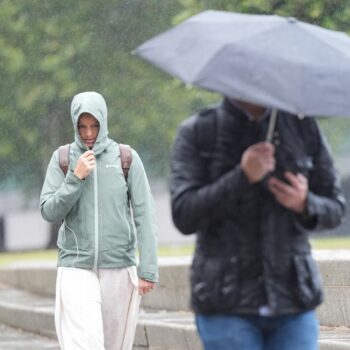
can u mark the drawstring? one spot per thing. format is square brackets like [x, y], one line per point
[76, 241]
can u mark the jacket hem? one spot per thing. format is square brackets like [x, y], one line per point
[255, 312]
[91, 266]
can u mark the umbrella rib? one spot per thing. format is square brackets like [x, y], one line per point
[320, 39]
[223, 47]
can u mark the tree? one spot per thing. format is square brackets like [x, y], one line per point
[51, 50]
[54, 49]
[331, 14]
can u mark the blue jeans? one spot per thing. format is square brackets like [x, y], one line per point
[250, 332]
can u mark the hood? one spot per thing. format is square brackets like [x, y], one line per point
[93, 103]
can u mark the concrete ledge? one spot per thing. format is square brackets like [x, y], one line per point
[167, 330]
[335, 266]
[155, 331]
[32, 313]
[16, 339]
[38, 277]
[334, 345]
[334, 338]
[172, 292]
[161, 331]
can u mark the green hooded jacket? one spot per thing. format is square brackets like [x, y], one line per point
[98, 229]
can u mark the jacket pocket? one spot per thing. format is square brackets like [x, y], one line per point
[72, 240]
[309, 282]
[117, 231]
[214, 283]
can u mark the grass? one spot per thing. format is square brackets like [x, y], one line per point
[36, 255]
[51, 254]
[179, 250]
[331, 243]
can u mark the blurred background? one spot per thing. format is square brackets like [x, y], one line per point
[53, 49]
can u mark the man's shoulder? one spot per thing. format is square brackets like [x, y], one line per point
[299, 118]
[203, 116]
[301, 121]
[200, 128]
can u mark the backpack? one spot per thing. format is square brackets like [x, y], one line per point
[125, 157]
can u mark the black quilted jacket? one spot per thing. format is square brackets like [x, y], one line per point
[250, 250]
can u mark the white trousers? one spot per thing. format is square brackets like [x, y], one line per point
[96, 310]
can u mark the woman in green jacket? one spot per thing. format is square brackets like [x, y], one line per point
[98, 285]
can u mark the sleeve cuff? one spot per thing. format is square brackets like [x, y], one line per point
[308, 219]
[148, 276]
[72, 178]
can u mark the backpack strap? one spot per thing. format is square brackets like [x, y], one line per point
[63, 157]
[206, 132]
[206, 139]
[308, 131]
[125, 158]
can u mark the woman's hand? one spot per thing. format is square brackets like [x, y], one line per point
[85, 164]
[145, 286]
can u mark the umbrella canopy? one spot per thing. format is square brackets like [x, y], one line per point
[265, 59]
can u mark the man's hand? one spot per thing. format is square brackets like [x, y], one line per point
[86, 163]
[258, 160]
[145, 286]
[291, 196]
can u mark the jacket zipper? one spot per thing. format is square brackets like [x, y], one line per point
[96, 217]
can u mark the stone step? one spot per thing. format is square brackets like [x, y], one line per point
[334, 338]
[17, 339]
[172, 291]
[155, 330]
[161, 330]
[36, 277]
[27, 311]
[335, 266]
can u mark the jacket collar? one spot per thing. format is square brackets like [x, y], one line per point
[235, 110]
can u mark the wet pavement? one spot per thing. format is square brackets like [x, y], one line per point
[16, 339]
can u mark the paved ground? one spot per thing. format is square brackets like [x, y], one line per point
[15, 339]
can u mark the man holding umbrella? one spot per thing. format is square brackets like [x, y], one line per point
[254, 282]
[253, 190]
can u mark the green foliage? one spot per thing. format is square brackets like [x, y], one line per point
[51, 50]
[332, 14]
